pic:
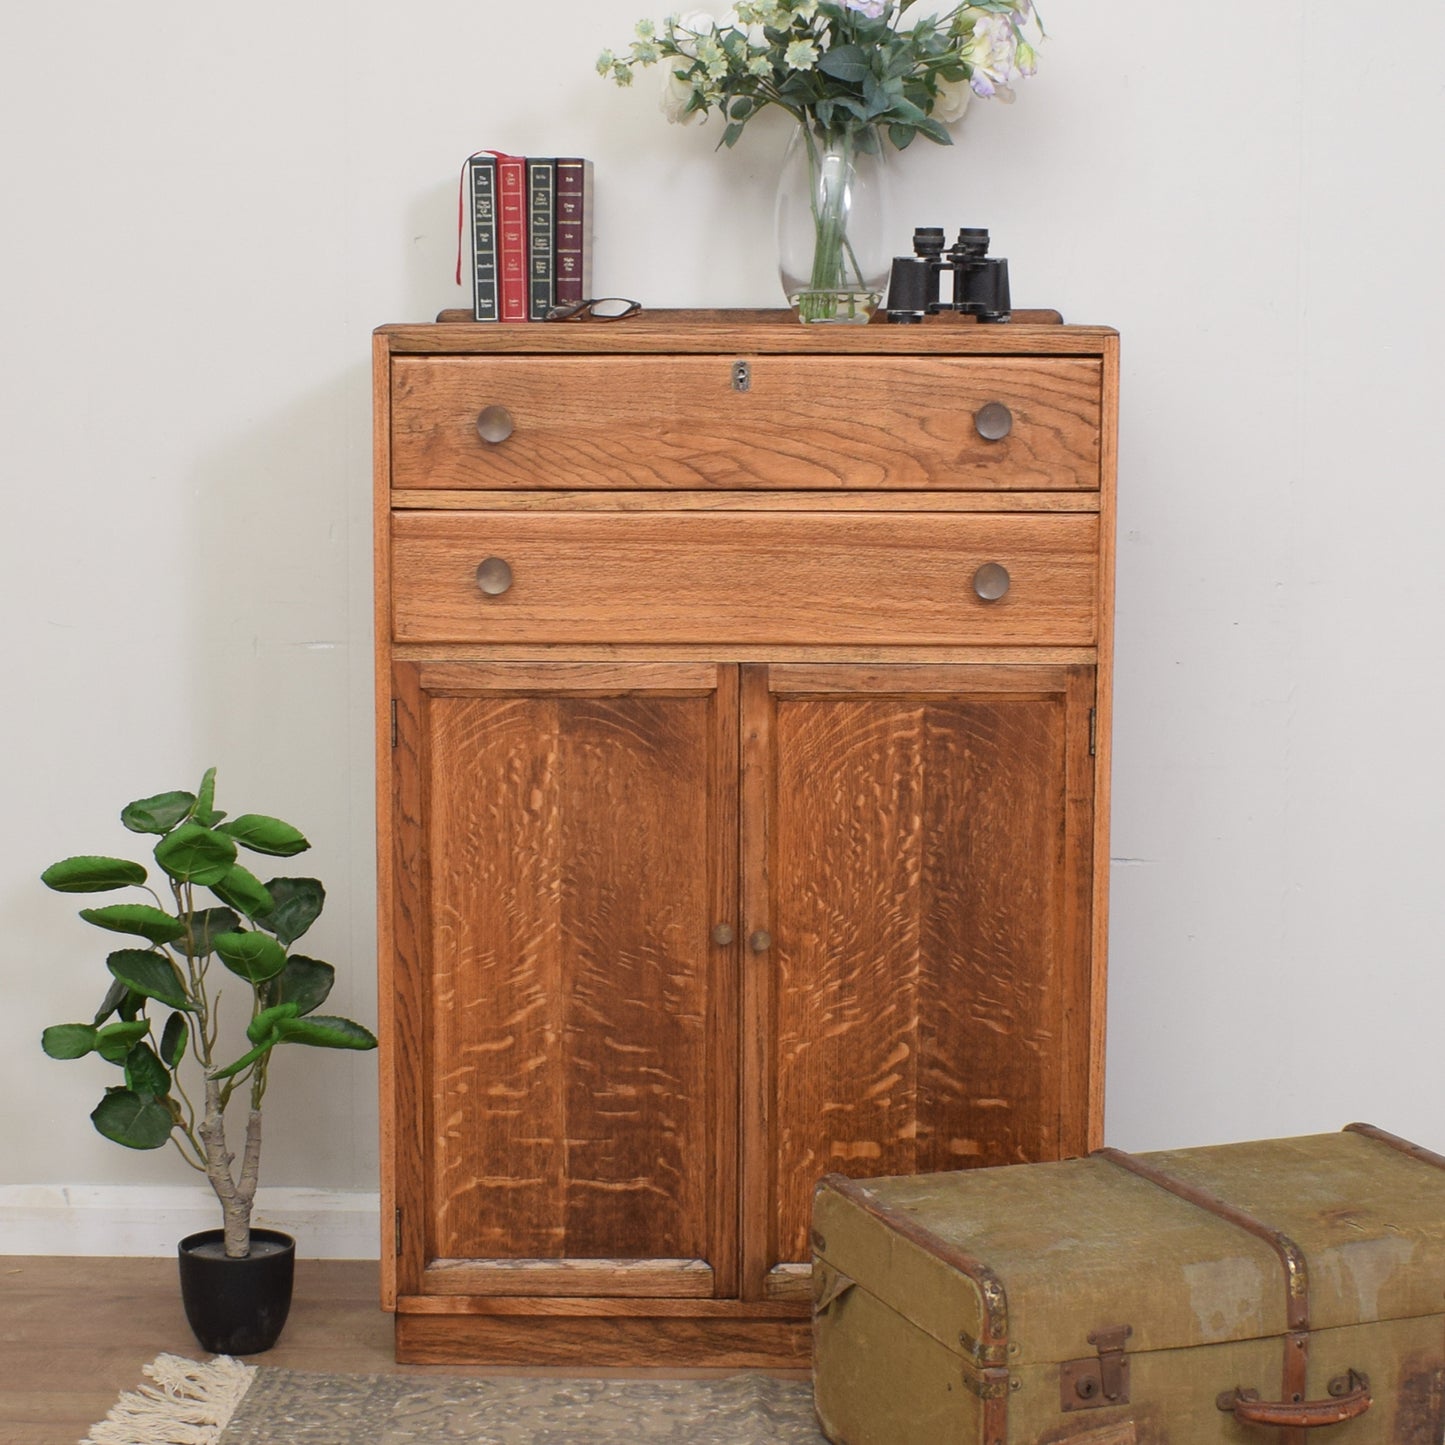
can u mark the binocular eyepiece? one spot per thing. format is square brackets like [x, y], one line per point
[979, 281]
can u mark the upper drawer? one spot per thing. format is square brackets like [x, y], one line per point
[745, 577]
[867, 422]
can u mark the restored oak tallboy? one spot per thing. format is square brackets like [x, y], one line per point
[743, 763]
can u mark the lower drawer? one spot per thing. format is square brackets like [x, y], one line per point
[789, 578]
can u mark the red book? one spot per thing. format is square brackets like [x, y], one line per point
[572, 250]
[512, 236]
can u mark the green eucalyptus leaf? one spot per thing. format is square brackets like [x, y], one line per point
[325, 1032]
[145, 1073]
[244, 892]
[92, 874]
[254, 956]
[193, 854]
[138, 918]
[265, 835]
[206, 923]
[263, 1026]
[260, 1051]
[306, 982]
[69, 1041]
[158, 814]
[115, 1041]
[151, 974]
[298, 904]
[139, 1121]
[115, 996]
[174, 1040]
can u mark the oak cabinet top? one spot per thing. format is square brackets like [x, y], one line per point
[1030, 333]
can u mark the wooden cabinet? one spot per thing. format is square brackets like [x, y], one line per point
[742, 804]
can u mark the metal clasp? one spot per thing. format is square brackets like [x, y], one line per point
[742, 375]
[1091, 1384]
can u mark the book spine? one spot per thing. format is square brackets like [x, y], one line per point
[512, 236]
[573, 239]
[482, 173]
[541, 216]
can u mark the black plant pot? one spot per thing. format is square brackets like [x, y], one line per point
[237, 1306]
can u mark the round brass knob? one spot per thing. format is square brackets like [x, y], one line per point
[991, 582]
[993, 422]
[494, 424]
[761, 941]
[494, 576]
[722, 935]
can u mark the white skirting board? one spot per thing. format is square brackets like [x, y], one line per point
[127, 1219]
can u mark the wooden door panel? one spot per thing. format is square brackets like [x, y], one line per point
[577, 847]
[921, 865]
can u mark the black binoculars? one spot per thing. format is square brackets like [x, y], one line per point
[979, 281]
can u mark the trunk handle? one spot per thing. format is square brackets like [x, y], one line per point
[1349, 1399]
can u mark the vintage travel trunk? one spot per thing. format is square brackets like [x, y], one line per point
[1247, 1292]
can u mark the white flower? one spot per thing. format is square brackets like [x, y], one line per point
[677, 93]
[992, 53]
[952, 100]
[800, 55]
[871, 8]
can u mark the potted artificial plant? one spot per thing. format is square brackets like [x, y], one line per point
[160, 1019]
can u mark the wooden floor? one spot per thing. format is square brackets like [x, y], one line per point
[74, 1333]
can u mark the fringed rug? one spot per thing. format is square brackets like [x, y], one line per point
[227, 1403]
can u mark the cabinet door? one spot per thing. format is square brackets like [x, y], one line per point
[565, 1035]
[917, 989]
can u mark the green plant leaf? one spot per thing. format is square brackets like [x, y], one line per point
[254, 956]
[193, 854]
[325, 1032]
[298, 904]
[846, 62]
[139, 1121]
[138, 918]
[115, 996]
[69, 1041]
[92, 874]
[306, 982]
[263, 1026]
[243, 891]
[151, 974]
[205, 809]
[145, 1073]
[158, 814]
[265, 835]
[174, 1040]
[260, 1051]
[115, 1041]
[206, 923]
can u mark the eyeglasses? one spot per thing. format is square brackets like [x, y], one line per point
[606, 308]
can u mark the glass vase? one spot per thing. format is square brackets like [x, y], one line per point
[832, 223]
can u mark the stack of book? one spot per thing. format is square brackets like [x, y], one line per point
[531, 234]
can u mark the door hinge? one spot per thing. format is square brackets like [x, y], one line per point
[393, 725]
[1093, 729]
[398, 1233]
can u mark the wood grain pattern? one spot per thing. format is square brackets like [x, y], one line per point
[740, 678]
[901, 423]
[806, 577]
[639, 500]
[924, 873]
[602, 1342]
[570, 996]
[741, 333]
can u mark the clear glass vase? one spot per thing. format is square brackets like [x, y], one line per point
[832, 223]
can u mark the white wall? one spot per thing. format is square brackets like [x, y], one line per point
[208, 209]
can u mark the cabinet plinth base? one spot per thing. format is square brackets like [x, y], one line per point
[651, 1341]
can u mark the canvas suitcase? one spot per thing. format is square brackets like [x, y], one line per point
[1289, 1290]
